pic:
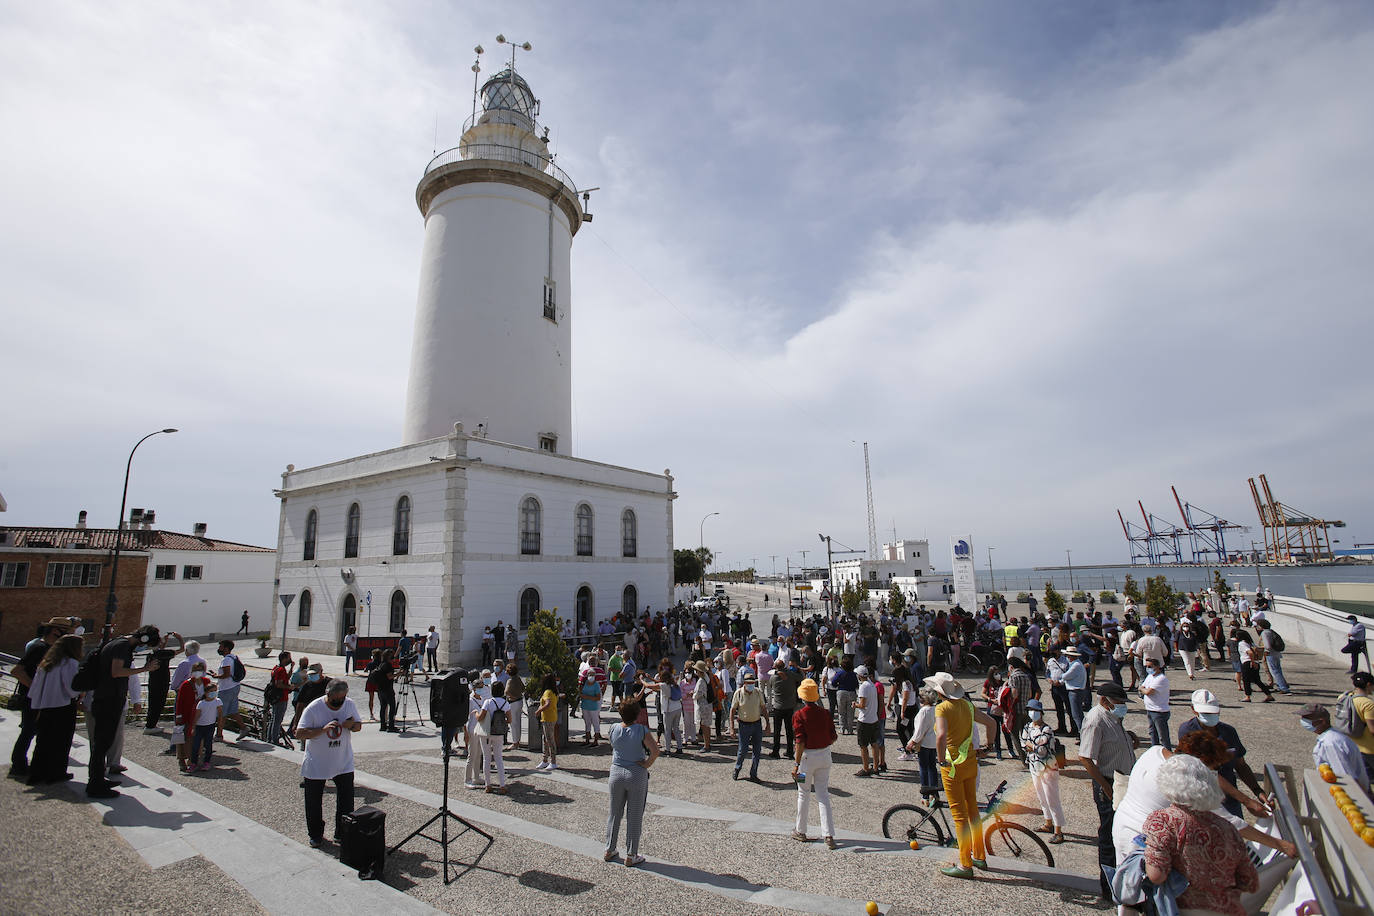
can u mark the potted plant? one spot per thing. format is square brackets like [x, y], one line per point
[1106, 597]
[262, 650]
[548, 654]
[1023, 597]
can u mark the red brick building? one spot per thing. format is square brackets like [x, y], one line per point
[42, 578]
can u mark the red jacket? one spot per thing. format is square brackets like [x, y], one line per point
[185, 709]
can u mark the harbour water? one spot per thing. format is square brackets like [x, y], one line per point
[1283, 580]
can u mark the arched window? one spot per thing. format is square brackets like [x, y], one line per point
[398, 611]
[355, 526]
[583, 607]
[584, 530]
[629, 534]
[629, 601]
[303, 611]
[312, 525]
[529, 526]
[400, 539]
[529, 606]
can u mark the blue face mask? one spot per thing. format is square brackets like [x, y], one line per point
[1209, 718]
[313, 676]
[1119, 711]
[1307, 724]
[1035, 715]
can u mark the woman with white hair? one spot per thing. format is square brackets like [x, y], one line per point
[1188, 838]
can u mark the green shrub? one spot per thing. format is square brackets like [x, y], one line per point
[1106, 597]
[1080, 597]
[1054, 602]
[1023, 597]
[548, 654]
[1131, 589]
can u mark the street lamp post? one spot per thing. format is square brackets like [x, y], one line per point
[829, 573]
[990, 573]
[110, 601]
[701, 547]
[1069, 553]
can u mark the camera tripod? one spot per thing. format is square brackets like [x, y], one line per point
[406, 702]
[442, 817]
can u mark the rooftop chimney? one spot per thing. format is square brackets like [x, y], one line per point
[149, 517]
[135, 518]
[81, 520]
[200, 529]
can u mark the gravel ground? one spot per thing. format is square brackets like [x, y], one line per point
[60, 859]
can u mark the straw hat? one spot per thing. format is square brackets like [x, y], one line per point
[945, 685]
[702, 667]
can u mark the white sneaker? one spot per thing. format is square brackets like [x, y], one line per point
[552, 766]
[471, 785]
[541, 765]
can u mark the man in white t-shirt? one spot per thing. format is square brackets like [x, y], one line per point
[326, 727]
[1154, 690]
[432, 650]
[228, 687]
[866, 702]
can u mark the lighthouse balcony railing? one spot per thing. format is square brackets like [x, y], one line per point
[501, 153]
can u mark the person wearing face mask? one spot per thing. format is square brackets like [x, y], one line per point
[327, 727]
[475, 738]
[209, 726]
[1104, 750]
[229, 686]
[1333, 748]
[1154, 690]
[746, 722]
[1040, 750]
[1207, 717]
[189, 692]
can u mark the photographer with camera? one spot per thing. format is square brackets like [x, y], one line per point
[160, 679]
[111, 671]
[382, 680]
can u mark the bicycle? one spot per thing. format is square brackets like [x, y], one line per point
[932, 827]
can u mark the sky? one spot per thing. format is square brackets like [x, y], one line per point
[1045, 259]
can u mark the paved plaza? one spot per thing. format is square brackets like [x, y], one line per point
[714, 845]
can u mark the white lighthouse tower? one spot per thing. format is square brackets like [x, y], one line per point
[493, 342]
[481, 517]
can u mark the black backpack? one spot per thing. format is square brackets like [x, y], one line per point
[240, 673]
[500, 723]
[87, 673]
[1276, 642]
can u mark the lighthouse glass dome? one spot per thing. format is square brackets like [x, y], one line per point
[507, 91]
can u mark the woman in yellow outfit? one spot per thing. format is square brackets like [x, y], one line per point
[954, 720]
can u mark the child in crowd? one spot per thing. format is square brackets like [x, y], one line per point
[209, 725]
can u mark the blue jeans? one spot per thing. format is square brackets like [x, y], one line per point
[750, 736]
[1159, 729]
[204, 736]
[1079, 702]
[1275, 663]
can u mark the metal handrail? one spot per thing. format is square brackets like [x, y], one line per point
[1290, 825]
[502, 153]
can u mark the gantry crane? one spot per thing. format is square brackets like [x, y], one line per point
[1291, 535]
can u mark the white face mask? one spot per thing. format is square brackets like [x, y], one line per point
[1035, 715]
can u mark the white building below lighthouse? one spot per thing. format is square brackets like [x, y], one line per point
[480, 516]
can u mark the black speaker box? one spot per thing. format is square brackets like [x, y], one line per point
[448, 698]
[362, 841]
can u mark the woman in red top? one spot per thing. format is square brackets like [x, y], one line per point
[815, 732]
[279, 688]
[1188, 838]
[184, 713]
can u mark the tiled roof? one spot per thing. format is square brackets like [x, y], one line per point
[104, 539]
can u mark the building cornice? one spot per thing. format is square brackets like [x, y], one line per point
[472, 171]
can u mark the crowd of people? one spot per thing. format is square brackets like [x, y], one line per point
[702, 681]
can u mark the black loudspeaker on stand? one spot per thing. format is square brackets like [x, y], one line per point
[448, 707]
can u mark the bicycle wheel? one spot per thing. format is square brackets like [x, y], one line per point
[912, 822]
[971, 663]
[1013, 841]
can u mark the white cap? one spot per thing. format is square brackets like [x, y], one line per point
[1205, 701]
[861, 671]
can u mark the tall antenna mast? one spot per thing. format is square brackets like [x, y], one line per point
[872, 524]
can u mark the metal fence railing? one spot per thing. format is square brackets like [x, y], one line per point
[468, 152]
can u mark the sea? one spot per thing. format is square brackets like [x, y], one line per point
[1283, 580]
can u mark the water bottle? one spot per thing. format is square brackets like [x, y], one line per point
[801, 777]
